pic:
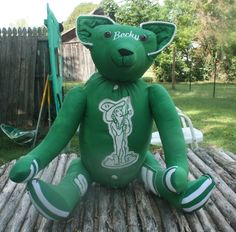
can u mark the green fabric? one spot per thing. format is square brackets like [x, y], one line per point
[21, 170]
[62, 130]
[92, 31]
[162, 31]
[62, 197]
[54, 43]
[115, 111]
[101, 130]
[176, 199]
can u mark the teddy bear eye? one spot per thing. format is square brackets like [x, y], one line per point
[107, 34]
[143, 37]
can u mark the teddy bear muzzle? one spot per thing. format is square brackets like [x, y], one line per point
[123, 58]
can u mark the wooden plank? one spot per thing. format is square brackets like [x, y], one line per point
[118, 211]
[220, 221]
[145, 212]
[220, 170]
[231, 155]
[5, 82]
[78, 64]
[205, 219]
[224, 160]
[10, 78]
[20, 212]
[128, 209]
[131, 212]
[104, 204]
[17, 79]
[31, 80]
[20, 105]
[3, 168]
[45, 224]
[227, 192]
[89, 214]
[32, 218]
[2, 58]
[223, 205]
[5, 174]
[201, 214]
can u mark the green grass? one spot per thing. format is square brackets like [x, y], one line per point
[10, 150]
[215, 117]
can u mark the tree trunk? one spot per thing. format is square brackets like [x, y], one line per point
[173, 69]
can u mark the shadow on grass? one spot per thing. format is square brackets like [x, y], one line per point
[215, 117]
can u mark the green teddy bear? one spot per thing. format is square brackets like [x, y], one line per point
[115, 111]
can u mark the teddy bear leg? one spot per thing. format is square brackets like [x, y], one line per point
[191, 199]
[56, 202]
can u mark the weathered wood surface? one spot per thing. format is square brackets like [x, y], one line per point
[129, 209]
[21, 58]
[78, 64]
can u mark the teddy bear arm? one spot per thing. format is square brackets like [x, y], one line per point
[169, 127]
[63, 128]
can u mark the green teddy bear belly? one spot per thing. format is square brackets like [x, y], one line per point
[115, 133]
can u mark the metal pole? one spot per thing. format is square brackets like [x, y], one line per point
[215, 75]
[173, 69]
[40, 111]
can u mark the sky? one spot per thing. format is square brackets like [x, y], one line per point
[34, 11]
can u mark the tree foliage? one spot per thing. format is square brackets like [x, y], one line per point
[83, 8]
[110, 8]
[134, 12]
[216, 36]
[205, 36]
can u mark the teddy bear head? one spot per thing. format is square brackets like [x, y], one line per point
[123, 53]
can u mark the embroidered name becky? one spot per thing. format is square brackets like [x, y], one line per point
[119, 35]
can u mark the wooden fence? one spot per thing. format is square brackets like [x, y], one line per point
[78, 65]
[23, 62]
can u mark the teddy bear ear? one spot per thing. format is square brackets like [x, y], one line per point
[85, 25]
[165, 33]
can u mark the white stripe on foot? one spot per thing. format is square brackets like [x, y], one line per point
[197, 192]
[46, 203]
[199, 204]
[82, 183]
[150, 175]
[147, 177]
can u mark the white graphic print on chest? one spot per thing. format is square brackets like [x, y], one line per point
[117, 115]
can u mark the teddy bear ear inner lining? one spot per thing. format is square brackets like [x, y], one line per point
[86, 23]
[164, 31]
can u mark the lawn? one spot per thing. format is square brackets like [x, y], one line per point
[215, 117]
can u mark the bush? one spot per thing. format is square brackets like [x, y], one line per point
[148, 79]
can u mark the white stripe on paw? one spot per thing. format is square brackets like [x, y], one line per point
[36, 166]
[167, 179]
[33, 170]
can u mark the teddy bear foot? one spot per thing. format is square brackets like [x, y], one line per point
[197, 193]
[54, 202]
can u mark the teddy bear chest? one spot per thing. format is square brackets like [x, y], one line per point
[114, 110]
[115, 132]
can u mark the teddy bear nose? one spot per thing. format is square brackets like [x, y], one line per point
[125, 52]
